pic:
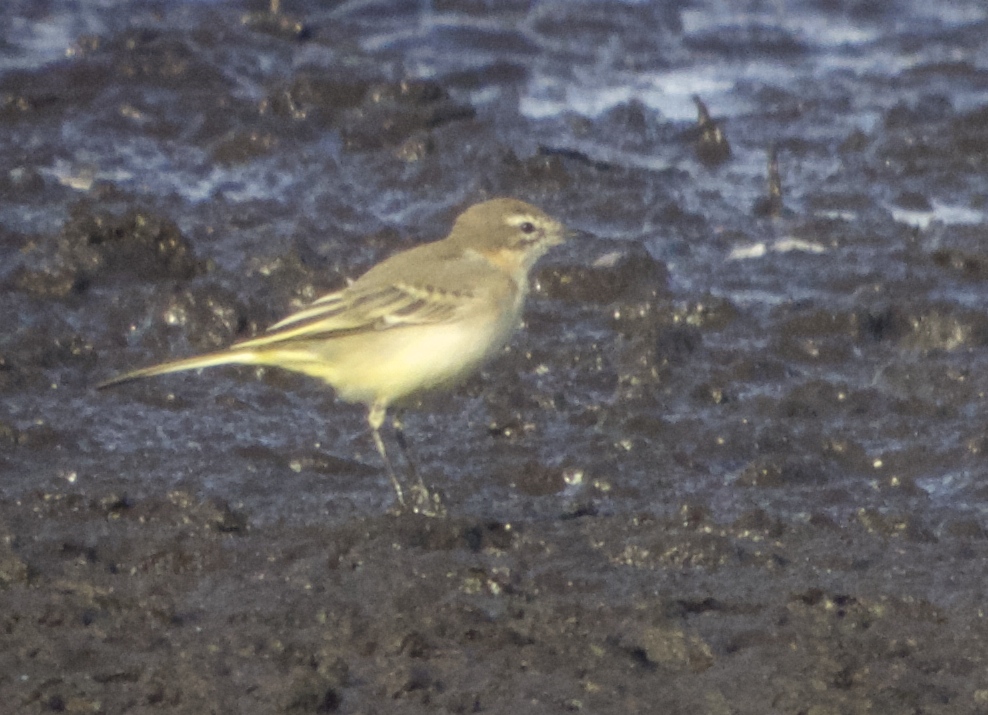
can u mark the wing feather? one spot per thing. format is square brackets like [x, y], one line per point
[354, 310]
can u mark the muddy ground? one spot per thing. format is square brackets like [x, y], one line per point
[733, 463]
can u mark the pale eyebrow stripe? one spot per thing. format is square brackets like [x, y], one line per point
[519, 219]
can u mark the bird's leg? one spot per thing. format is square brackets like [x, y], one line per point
[375, 417]
[399, 428]
[424, 502]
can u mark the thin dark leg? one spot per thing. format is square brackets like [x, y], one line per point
[375, 417]
[399, 428]
[425, 502]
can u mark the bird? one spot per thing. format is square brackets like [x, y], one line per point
[422, 320]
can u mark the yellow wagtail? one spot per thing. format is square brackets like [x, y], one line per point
[421, 320]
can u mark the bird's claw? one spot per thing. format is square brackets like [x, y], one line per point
[426, 503]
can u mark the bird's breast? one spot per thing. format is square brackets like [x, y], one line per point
[391, 365]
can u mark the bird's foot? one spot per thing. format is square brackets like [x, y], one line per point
[425, 502]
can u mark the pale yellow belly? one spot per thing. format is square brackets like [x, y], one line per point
[390, 365]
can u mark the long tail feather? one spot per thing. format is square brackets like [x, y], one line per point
[223, 357]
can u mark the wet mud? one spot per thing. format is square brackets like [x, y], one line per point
[734, 461]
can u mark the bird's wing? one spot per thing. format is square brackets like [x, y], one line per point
[358, 309]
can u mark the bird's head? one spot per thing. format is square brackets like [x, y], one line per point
[510, 233]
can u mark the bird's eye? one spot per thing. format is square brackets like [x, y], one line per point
[527, 227]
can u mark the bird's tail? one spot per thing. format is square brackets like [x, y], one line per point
[222, 357]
